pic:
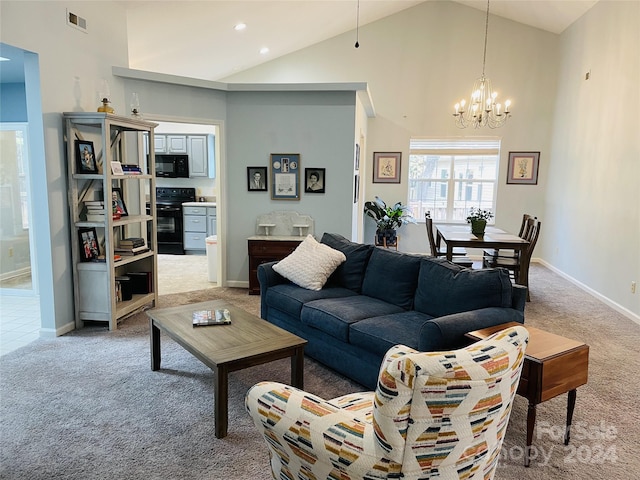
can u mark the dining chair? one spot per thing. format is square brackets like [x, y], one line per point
[459, 253]
[527, 221]
[519, 263]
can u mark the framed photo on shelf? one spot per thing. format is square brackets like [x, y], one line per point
[386, 167]
[85, 157]
[89, 246]
[257, 179]
[314, 180]
[285, 176]
[117, 203]
[523, 168]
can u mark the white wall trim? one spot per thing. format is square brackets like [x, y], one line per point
[617, 307]
[52, 333]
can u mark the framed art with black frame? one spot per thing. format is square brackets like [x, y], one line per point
[89, 246]
[386, 167]
[314, 180]
[523, 168]
[285, 176]
[257, 179]
[86, 157]
[117, 203]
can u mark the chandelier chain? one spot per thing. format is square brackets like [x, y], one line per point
[483, 108]
[486, 35]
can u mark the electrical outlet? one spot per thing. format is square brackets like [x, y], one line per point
[633, 287]
[11, 251]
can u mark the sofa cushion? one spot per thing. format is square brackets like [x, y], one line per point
[379, 334]
[392, 276]
[445, 288]
[334, 315]
[289, 298]
[350, 273]
[310, 264]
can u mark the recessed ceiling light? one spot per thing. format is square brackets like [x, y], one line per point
[240, 26]
[264, 50]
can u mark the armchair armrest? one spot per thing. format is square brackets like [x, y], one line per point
[268, 277]
[306, 432]
[447, 332]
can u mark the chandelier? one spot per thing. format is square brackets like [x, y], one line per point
[483, 108]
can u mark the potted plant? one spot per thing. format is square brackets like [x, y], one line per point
[478, 220]
[388, 219]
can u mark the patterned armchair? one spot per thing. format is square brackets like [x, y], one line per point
[433, 415]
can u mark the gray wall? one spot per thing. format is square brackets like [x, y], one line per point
[420, 61]
[317, 125]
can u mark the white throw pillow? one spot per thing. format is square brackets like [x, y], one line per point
[310, 264]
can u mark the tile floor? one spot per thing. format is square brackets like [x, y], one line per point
[20, 315]
[19, 321]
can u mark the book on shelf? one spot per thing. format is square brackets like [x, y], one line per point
[131, 169]
[132, 242]
[95, 217]
[220, 316]
[131, 251]
[94, 203]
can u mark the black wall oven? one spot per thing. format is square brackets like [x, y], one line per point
[169, 218]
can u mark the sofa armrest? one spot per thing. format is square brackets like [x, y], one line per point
[518, 297]
[447, 332]
[268, 277]
[297, 426]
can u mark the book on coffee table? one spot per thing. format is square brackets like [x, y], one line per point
[202, 318]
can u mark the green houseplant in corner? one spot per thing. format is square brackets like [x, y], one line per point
[388, 219]
[478, 220]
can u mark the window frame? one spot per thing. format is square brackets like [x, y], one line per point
[483, 148]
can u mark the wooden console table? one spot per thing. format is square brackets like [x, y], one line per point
[553, 365]
[263, 249]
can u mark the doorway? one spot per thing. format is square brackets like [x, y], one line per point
[19, 285]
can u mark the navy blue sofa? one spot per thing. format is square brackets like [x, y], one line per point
[379, 298]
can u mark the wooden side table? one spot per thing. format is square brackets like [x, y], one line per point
[263, 249]
[553, 365]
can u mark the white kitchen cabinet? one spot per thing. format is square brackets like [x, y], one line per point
[197, 149]
[160, 144]
[176, 144]
[195, 229]
[95, 233]
[212, 218]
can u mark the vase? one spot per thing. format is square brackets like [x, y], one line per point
[478, 226]
[386, 237]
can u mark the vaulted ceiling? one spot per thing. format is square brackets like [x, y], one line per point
[197, 39]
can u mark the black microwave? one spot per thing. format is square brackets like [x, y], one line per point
[172, 166]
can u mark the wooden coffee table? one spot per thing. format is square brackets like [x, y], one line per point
[246, 342]
[553, 365]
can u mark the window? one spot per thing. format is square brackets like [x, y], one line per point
[448, 177]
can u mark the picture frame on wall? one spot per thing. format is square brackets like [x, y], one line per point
[117, 203]
[86, 157]
[88, 242]
[285, 176]
[257, 179]
[386, 167]
[523, 168]
[314, 180]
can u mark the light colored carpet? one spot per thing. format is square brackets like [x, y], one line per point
[88, 406]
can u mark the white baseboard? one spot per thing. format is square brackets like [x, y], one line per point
[57, 332]
[237, 284]
[616, 306]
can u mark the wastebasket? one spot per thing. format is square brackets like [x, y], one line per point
[212, 257]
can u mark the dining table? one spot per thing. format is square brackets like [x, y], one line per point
[494, 237]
